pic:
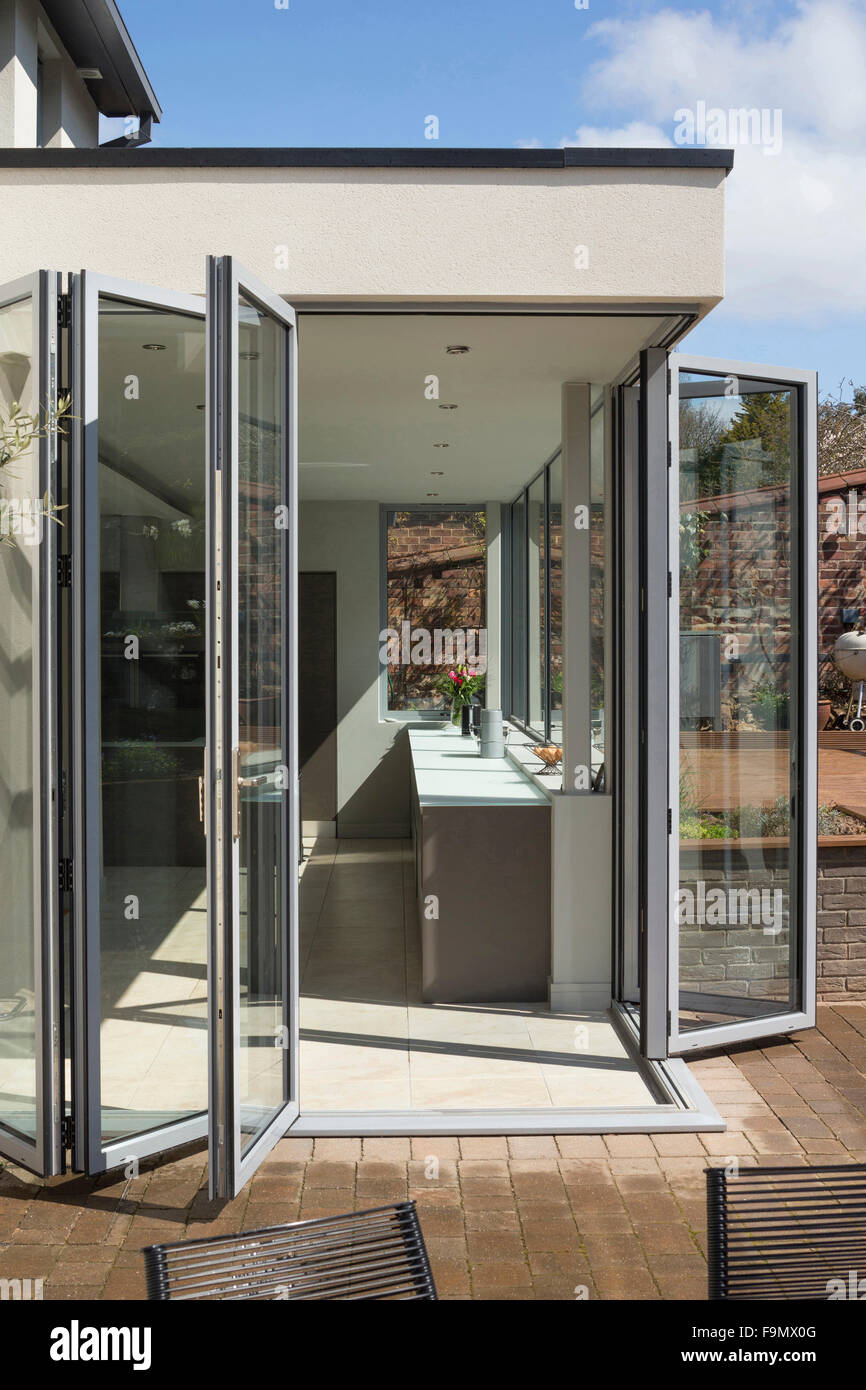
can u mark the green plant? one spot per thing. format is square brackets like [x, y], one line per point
[771, 704]
[138, 762]
[19, 431]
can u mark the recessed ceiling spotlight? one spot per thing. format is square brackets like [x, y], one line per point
[432, 494]
[441, 446]
[201, 407]
[437, 473]
[89, 74]
[154, 347]
[456, 349]
[447, 407]
[250, 356]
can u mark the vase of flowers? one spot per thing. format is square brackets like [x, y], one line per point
[458, 686]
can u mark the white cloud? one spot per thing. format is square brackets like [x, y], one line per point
[637, 134]
[794, 219]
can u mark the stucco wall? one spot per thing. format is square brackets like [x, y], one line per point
[372, 756]
[651, 234]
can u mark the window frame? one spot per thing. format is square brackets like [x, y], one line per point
[416, 716]
[516, 637]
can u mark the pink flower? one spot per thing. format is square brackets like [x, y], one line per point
[453, 675]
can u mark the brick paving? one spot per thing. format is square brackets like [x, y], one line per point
[546, 1217]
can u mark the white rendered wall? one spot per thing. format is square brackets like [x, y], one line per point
[69, 115]
[651, 234]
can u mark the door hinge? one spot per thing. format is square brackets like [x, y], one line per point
[670, 821]
[670, 585]
[64, 571]
[65, 876]
[64, 311]
[670, 454]
[67, 1132]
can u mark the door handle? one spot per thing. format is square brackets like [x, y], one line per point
[236, 794]
[202, 813]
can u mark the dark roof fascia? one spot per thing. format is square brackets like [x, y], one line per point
[230, 157]
[95, 36]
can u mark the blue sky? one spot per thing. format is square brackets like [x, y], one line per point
[543, 72]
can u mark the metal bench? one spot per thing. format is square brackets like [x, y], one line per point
[786, 1233]
[377, 1254]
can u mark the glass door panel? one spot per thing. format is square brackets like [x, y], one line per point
[139, 501]
[30, 1024]
[253, 762]
[743, 739]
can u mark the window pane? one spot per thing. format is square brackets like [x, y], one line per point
[556, 662]
[738, 959]
[263, 1063]
[518, 609]
[18, 593]
[597, 583]
[436, 602]
[151, 499]
[537, 616]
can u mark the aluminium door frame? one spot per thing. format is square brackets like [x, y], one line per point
[626, 711]
[804, 500]
[90, 1154]
[44, 1154]
[229, 1166]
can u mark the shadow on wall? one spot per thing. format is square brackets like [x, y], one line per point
[380, 805]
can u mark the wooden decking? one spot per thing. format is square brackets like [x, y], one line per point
[733, 770]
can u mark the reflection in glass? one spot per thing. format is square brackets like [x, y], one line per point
[263, 1062]
[19, 482]
[597, 586]
[555, 561]
[151, 488]
[738, 955]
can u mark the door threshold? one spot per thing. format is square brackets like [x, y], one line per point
[686, 1110]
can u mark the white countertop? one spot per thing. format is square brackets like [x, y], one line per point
[449, 771]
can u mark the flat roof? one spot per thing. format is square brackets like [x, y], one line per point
[95, 36]
[310, 157]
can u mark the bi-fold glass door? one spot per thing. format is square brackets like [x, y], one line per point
[727, 654]
[30, 922]
[176, 804]
[252, 784]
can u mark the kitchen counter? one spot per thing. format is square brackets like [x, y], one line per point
[450, 771]
[481, 829]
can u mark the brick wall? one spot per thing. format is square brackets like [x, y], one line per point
[740, 960]
[842, 921]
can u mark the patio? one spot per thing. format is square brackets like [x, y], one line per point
[620, 1216]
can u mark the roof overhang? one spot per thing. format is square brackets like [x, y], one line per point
[95, 36]
[310, 157]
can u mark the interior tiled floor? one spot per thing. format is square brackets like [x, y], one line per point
[369, 1043]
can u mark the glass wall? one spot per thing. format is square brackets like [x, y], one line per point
[738, 957]
[19, 921]
[597, 583]
[261, 603]
[555, 649]
[518, 608]
[151, 502]
[537, 595]
[536, 566]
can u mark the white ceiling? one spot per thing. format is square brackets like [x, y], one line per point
[367, 430]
